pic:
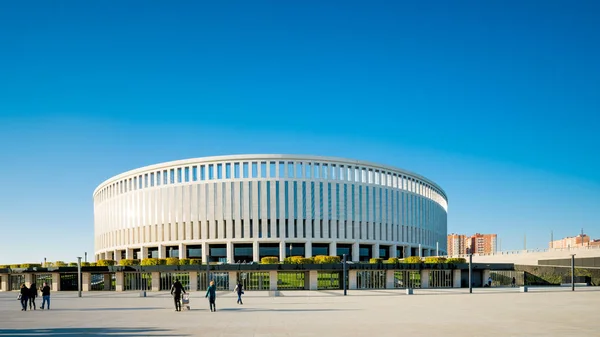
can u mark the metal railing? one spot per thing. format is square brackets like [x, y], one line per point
[290, 280]
[167, 280]
[254, 280]
[440, 279]
[407, 279]
[371, 279]
[137, 281]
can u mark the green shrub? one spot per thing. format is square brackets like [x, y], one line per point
[326, 259]
[72, 264]
[184, 262]
[456, 260]
[105, 263]
[150, 262]
[375, 260]
[129, 262]
[85, 264]
[31, 265]
[393, 260]
[298, 260]
[92, 264]
[59, 264]
[269, 260]
[172, 261]
[14, 266]
[412, 260]
[4, 266]
[435, 259]
[195, 261]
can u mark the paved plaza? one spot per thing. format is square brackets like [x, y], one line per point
[450, 312]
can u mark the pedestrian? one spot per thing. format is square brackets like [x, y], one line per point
[239, 288]
[513, 283]
[32, 295]
[45, 295]
[23, 296]
[176, 290]
[211, 293]
[489, 281]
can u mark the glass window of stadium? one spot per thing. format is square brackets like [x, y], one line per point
[294, 249]
[172, 251]
[268, 249]
[218, 253]
[320, 249]
[242, 253]
[193, 252]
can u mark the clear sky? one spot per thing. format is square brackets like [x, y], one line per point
[496, 101]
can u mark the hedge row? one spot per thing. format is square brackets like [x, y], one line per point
[173, 261]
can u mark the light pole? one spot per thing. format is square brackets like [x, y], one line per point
[79, 276]
[344, 275]
[437, 249]
[85, 257]
[572, 272]
[470, 271]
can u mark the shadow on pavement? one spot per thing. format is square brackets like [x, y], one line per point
[284, 310]
[110, 309]
[56, 332]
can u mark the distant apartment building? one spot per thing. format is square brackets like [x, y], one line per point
[580, 240]
[458, 244]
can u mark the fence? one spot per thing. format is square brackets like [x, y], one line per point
[370, 279]
[440, 279]
[328, 280]
[254, 280]
[137, 281]
[290, 280]
[40, 279]
[15, 282]
[407, 279]
[167, 280]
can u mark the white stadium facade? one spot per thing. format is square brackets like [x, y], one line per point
[241, 208]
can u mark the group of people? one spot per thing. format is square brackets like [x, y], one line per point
[28, 295]
[177, 290]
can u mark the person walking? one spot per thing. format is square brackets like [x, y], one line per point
[490, 281]
[24, 295]
[239, 288]
[176, 290]
[211, 293]
[514, 282]
[32, 295]
[45, 295]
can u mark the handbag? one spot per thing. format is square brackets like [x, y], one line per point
[19, 297]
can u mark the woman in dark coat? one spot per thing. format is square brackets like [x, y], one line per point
[32, 295]
[24, 296]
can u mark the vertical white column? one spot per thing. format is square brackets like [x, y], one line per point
[219, 210]
[229, 211]
[355, 251]
[255, 251]
[282, 252]
[247, 209]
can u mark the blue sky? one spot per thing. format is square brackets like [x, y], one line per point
[496, 101]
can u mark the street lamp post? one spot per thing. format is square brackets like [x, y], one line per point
[470, 271]
[572, 272]
[344, 275]
[79, 276]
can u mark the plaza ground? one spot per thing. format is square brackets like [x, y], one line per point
[429, 312]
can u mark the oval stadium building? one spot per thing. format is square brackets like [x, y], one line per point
[241, 208]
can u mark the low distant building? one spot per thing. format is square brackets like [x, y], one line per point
[458, 244]
[580, 240]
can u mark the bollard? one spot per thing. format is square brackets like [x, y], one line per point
[409, 291]
[143, 293]
[523, 289]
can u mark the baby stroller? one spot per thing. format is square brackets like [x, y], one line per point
[185, 301]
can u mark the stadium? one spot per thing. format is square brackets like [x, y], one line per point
[240, 208]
